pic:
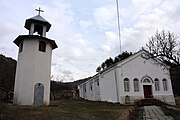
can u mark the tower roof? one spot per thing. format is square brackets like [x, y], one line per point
[20, 38]
[37, 19]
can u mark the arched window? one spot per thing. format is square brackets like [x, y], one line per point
[136, 85]
[156, 84]
[127, 99]
[91, 86]
[126, 85]
[96, 81]
[165, 85]
[42, 46]
[84, 87]
[146, 81]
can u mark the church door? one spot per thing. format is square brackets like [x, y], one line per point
[147, 91]
[38, 94]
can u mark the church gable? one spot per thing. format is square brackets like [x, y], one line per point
[143, 57]
[139, 64]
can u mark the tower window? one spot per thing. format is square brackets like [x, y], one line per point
[21, 47]
[42, 46]
[39, 29]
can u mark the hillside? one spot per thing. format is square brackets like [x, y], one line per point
[58, 86]
[7, 77]
[7, 72]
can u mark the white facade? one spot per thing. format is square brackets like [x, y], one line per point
[90, 89]
[32, 81]
[133, 79]
[33, 67]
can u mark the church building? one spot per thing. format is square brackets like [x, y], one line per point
[32, 81]
[135, 78]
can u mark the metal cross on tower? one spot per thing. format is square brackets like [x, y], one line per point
[39, 10]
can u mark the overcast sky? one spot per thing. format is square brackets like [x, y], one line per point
[86, 30]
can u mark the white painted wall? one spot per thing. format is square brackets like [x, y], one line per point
[138, 67]
[96, 89]
[33, 67]
[108, 87]
[112, 81]
[90, 94]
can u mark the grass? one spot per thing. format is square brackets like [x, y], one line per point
[173, 111]
[66, 110]
[136, 113]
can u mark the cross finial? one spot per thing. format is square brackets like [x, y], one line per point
[39, 10]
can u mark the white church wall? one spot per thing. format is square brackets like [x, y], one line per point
[90, 89]
[96, 89]
[31, 71]
[25, 73]
[131, 68]
[84, 90]
[80, 88]
[43, 70]
[138, 67]
[108, 87]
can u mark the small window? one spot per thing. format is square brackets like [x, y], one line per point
[42, 46]
[21, 47]
[91, 86]
[136, 85]
[165, 86]
[146, 81]
[126, 85]
[97, 82]
[156, 84]
[84, 87]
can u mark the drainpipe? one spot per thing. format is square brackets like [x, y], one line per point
[117, 93]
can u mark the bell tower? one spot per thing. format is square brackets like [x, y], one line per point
[37, 24]
[32, 81]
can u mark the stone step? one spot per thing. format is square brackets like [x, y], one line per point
[149, 101]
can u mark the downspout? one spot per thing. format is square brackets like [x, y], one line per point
[117, 93]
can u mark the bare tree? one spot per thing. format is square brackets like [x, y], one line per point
[57, 78]
[165, 46]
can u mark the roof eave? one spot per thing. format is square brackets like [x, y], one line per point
[20, 38]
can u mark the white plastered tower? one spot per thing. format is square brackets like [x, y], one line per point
[32, 82]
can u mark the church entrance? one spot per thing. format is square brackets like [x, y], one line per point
[38, 94]
[147, 91]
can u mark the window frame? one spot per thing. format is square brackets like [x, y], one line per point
[126, 85]
[84, 87]
[165, 84]
[136, 85]
[42, 46]
[97, 81]
[156, 84]
[91, 85]
[146, 80]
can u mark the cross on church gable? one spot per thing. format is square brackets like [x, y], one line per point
[39, 10]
